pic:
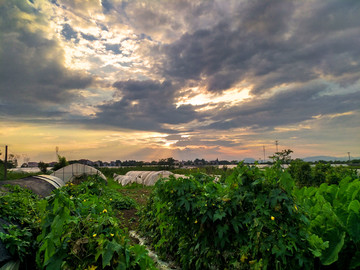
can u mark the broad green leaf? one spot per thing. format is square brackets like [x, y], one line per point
[354, 206]
[111, 248]
[287, 182]
[317, 244]
[218, 215]
[49, 248]
[353, 226]
[336, 242]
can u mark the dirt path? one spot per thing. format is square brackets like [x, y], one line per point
[129, 218]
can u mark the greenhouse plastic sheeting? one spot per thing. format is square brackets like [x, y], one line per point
[53, 180]
[73, 170]
[42, 185]
[147, 178]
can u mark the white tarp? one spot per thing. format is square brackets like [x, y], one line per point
[147, 178]
[73, 170]
[53, 180]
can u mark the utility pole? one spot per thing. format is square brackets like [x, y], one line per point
[349, 155]
[276, 144]
[264, 152]
[5, 163]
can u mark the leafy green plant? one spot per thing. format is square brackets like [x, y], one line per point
[17, 241]
[79, 230]
[334, 212]
[250, 220]
[20, 209]
[301, 172]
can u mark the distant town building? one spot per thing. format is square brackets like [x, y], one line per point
[32, 164]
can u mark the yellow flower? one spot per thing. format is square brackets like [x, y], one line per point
[172, 191]
[111, 234]
[92, 267]
[243, 258]
[84, 200]
[5, 203]
[195, 221]
[110, 199]
[295, 207]
[272, 218]
[205, 204]
[94, 235]
[104, 211]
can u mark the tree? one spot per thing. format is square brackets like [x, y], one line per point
[12, 161]
[42, 166]
[283, 156]
[301, 172]
[62, 162]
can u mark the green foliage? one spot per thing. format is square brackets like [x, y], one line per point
[18, 205]
[62, 162]
[304, 175]
[42, 166]
[249, 220]
[20, 209]
[80, 230]
[301, 172]
[17, 241]
[75, 228]
[283, 156]
[334, 212]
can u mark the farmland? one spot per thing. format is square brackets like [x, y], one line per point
[250, 219]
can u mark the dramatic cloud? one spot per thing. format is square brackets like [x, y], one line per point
[288, 107]
[221, 77]
[144, 105]
[33, 79]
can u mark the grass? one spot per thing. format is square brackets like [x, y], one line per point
[137, 192]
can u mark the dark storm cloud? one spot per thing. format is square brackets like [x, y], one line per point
[115, 48]
[144, 105]
[33, 80]
[286, 108]
[68, 32]
[89, 37]
[303, 48]
[107, 6]
[267, 43]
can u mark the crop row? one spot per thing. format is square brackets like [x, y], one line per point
[76, 228]
[255, 219]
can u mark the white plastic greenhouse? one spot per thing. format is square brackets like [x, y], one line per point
[147, 178]
[74, 170]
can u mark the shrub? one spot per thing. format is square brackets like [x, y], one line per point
[248, 221]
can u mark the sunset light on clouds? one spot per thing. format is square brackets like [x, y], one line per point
[145, 80]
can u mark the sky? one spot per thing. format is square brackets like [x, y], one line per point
[146, 80]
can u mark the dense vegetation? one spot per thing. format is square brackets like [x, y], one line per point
[76, 228]
[257, 219]
[302, 217]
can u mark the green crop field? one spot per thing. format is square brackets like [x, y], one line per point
[301, 217]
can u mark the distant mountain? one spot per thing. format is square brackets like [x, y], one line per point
[326, 158]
